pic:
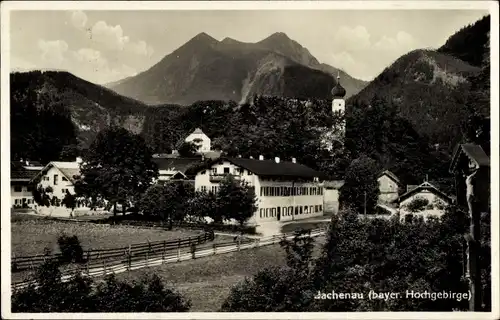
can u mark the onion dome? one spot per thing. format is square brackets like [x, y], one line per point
[338, 91]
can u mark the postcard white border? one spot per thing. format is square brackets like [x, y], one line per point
[8, 6]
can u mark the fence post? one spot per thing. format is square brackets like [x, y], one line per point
[239, 243]
[129, 257]
[179, 250]
[215, 248]
[163, 252]
[104, 266]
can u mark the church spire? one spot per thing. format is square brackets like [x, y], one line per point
[338, 91]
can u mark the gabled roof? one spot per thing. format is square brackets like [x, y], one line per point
[473, 152]
[177, 164]
[18, 172]
[268, 168]
[68, 169]
[426, 186]
[390, 175]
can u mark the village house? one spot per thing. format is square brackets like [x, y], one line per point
[423, 200]
[59, 177]
[200, 140]
[285, 190]
[174, 168]
[388, 187]
[21, 190]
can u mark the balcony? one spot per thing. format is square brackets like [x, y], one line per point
[219, 177]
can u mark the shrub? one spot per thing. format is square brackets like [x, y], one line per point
[71, 250]
[417, 204]
[80, 294]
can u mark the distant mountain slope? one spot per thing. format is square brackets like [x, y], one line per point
[91, 107]
[206, 69]
[468, 44]
[429, 88]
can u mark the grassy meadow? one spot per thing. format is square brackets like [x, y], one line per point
[207, 281]
[31, 234]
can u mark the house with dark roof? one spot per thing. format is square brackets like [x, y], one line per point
[433, 201]
[285, 190]
[176, 168]
[388, 187]
[21, 189]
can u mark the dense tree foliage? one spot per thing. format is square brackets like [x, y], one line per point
[361, 255]
[469, 42]
[117, 166]
[168, 202]
[81, 294]
[360, 190]
[41, 126]
[236, 200]
[187, 149]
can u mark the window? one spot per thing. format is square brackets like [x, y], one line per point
[296, 210]
[272, 191]
[56, 178]
[204, 188]
[249, 173]
[214, 171]
[320, 208]
[267, 212]
[18, 189]
[226, 170]
[311, 209]
[290, 211]
[64, 179]
[261, 191]
[306, 209]
[316, 208]
[273, 212]
[63, 191]
[261, 213]
[203, 172]
[301, 210]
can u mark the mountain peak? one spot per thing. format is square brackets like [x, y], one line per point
[203, 37]
[277, 36]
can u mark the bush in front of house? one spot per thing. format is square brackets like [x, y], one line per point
[71, 249]
[417, 204]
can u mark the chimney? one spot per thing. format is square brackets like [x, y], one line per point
[294, 160]
[277, 159]
[261, 157]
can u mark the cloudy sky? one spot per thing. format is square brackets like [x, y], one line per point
[105, 46]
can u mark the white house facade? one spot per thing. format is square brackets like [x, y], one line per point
[435, 201]
[200, 140]
[388, 187]
[59, 176]
[21, 190]
[285, 190]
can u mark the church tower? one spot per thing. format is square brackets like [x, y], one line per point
[338, 93]
[338, 106]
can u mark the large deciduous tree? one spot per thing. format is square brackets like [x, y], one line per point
[236, 200]
[117, 166]
[360, 190]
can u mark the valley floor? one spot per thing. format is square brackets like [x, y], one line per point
[208, 281]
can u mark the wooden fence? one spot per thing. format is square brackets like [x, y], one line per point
[93, 268]
[136, 251]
